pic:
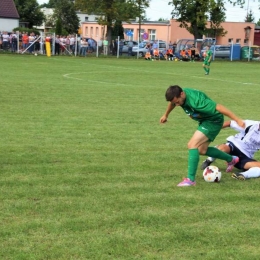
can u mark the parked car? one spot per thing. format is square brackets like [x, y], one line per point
[219, 51]
[142, 49]
[125, 47]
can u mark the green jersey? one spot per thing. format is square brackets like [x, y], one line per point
[200, 107]
[208, 56]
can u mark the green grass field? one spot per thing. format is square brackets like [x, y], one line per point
[87, 171]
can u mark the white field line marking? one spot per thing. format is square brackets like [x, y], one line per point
[144, 71]
[95, 81]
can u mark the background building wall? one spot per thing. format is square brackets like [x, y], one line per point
[8, 24]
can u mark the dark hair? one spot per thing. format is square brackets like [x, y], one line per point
[172, 92]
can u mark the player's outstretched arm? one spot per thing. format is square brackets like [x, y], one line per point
[226, 124]
[223, 110]
[170, 107]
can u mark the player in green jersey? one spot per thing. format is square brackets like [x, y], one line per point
[207, 60]
[209, 116]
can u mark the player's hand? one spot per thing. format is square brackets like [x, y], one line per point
[163, 119]
[241, 123]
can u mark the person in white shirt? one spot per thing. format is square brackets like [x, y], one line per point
[244, 145]
[72, 43]
[6, 39]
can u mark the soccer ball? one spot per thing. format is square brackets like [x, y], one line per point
[212, 174]
[35, 54]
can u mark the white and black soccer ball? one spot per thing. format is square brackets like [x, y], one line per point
[212, 174]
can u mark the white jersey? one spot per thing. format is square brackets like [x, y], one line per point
[248, 139]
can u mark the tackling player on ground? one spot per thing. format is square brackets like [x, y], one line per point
[244, 145]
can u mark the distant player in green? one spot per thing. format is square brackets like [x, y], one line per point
[207, 59]
[209, 115]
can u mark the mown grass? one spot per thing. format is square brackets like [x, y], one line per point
[87, 171]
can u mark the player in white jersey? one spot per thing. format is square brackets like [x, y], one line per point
[244, 145]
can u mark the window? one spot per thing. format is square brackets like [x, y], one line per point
[86, 18]
[91, 32]
[97, 31]
[152, 34]
[230, 40]
[245, 40]
[86, 31]
[238, 40]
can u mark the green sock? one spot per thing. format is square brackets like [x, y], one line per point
[205, 69]
[193, 162]
[208, 70]
[216, 153]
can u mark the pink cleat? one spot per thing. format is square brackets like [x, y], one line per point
[186, 182]
[230, 165]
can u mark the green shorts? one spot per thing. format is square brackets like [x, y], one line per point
[210, 129]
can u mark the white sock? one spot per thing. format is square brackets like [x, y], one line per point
[211, 159]
[253, 172]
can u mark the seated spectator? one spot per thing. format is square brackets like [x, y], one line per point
[156, 54]
[169, 54]
[184, 55]
[163, 55]
[148, 56]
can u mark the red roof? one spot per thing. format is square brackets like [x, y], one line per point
[8, 9]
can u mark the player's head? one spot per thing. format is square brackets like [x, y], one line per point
[175, 95]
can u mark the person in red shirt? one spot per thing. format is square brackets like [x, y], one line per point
[25, 41]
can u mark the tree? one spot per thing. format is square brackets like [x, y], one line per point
[250, 17]
[258, 23]
[194, 14]
[66, 12]
[58, 28]
[217, 16]
[118, 30]
[30, 12]
[112, 10]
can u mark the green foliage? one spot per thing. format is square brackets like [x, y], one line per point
[22, 29]
[118, 30]
[194, 14]
[258, 23]
[66, 12]
[250, 17]
[58, 29]
[29, 11]
[88, 175]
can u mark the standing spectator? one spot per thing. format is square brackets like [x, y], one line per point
[37, 44]
[130, 48]
[57, 45]
[13, 42]
[72, 44]
[121, 45]
[170, 45]
[31, 43]
[113, 47]
[67, 44]
[100, 44]
[105, 46]
[90, 48]
[25, 41]
[84, 47]
[6, 39]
